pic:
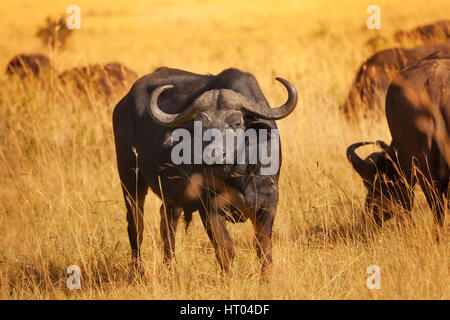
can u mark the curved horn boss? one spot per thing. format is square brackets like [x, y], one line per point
[274, 113]
[173, 120]
[365, 168]
[202, 103]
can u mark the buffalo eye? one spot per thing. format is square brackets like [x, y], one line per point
[234, 121]
[235, 124]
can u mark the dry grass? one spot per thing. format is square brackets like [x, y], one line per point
[60, 197]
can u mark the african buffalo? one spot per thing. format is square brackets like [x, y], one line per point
[372, 81]
[24, 65]
[415, 153]
[104, 79]
[428, 34]
[145, 123]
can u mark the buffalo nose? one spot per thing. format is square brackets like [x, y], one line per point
[215, 156]
[219, 155]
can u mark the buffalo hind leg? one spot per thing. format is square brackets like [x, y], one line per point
[168, 228]
[134, 194]
[215, 226]
[263, 223]
[442, 191]
[436, 194]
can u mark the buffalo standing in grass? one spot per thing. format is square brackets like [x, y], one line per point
[416, 153]
[25, 65]
[105, 79]
[368, 92]
[427, 34]
[143, 122]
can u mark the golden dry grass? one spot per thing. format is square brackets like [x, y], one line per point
[60, 197]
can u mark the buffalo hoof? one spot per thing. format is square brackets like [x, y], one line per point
[266, 274]
[137, 270]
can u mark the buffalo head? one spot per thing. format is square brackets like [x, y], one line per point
[386, 187]
[222, 110]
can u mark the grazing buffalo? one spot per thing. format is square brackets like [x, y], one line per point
[428, 34]
[415, 153]
[372, 81]
[103, 79]
[24, 65]
[168, 103]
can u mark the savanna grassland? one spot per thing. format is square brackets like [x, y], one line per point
[60, 197]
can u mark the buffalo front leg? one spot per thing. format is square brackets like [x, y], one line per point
[215, 226]
[263, 223]
[168, 227]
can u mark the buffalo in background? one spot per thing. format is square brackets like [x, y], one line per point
[368, 92]
[417, 97]
[427, 34]
[25, 65]
[101, 79]
[106, 79]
